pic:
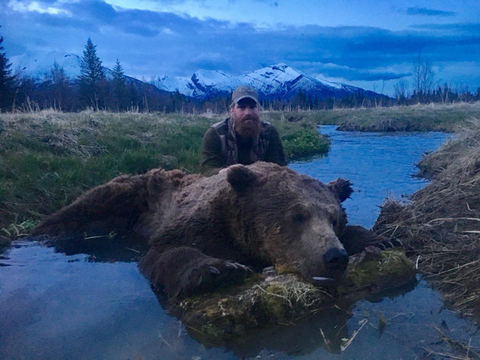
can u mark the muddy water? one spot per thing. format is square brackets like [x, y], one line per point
[97, 306]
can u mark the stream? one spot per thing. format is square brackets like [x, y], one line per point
[77, 306]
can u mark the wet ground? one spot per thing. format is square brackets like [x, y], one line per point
[76, 306]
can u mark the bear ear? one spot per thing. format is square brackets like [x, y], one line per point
[240, 177]
[341, 187]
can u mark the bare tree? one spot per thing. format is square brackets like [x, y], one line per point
[423, 77]
[400, 89]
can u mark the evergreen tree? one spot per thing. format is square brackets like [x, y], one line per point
[119, 87]
[92, 76]
[7, 81]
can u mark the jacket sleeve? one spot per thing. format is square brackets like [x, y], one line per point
[212, 159]
[274, 151]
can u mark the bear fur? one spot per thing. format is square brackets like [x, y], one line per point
[204, 231]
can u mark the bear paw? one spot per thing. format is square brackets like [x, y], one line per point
[208, 276]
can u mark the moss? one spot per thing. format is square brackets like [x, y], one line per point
[391, 269]
[275, 303]
[212, 330]
[282, 298]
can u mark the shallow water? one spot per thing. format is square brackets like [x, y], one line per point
[57, 306]
[378, 164]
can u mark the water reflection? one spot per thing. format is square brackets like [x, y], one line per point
[379, 165]
[100, 247]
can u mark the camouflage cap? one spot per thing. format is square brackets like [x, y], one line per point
[243, 92]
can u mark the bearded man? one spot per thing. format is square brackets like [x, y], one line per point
[243, 138]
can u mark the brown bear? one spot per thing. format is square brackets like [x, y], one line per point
[205, 231]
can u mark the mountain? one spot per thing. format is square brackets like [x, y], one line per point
[271, 82]
[38, 68]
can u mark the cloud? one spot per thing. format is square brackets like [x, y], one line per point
[429, 12]
[150, 43]
[467, 28]
[354, 74]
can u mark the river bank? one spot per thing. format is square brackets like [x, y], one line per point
[441, 225]
[421, 117]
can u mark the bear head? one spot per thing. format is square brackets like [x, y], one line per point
[290, 220]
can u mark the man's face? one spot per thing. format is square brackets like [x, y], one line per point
[246, 116]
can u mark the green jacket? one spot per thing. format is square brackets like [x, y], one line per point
[217, 138]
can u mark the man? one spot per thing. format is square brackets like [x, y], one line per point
[242, 138]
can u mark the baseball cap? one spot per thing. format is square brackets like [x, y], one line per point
[243, 92]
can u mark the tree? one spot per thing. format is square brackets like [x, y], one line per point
[119, 87]
[7, 81]
[92, 76]
[60, 88]
[423, 77]
[400, 89]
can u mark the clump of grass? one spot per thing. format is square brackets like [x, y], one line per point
[301, 139]
[48, 158]
[441, 226]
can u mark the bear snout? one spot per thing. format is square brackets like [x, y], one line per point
[336, 259]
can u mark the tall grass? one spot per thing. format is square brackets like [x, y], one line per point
[48, 158]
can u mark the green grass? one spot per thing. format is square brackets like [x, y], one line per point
[47, 159]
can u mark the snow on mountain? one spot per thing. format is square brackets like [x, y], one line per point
[202, 84]
[38, 67]
[282, 81]
[182, 84]
[276, 81]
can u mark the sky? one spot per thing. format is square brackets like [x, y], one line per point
[372, 43]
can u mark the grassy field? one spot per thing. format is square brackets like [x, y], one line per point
[49, 158]
[433, 117]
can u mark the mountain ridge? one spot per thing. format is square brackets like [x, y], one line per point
[271, 82]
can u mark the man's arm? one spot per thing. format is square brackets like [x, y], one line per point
[274, 151]
[212, 159]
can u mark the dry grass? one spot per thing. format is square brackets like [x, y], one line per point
[421, 117]
[441, 226]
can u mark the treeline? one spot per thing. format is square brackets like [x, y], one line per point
[96, 88]
[442, 94]
[99, 88]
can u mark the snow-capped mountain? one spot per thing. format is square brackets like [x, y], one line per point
[271, 82]
[276, 81]
[202, 85]
[38, 67]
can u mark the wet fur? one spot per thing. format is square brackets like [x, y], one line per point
[200, 229]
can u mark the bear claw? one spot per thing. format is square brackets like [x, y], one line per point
[214, 270]
[237, 266]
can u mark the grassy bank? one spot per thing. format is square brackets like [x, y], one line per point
[49, 158]
[433, 117]
[441, 227]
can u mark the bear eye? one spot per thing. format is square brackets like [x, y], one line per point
[299, 218]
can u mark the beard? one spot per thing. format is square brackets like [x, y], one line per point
[248, 127]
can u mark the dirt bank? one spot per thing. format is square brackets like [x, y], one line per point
[441, 227]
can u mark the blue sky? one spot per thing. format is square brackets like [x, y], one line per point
[372, 44]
